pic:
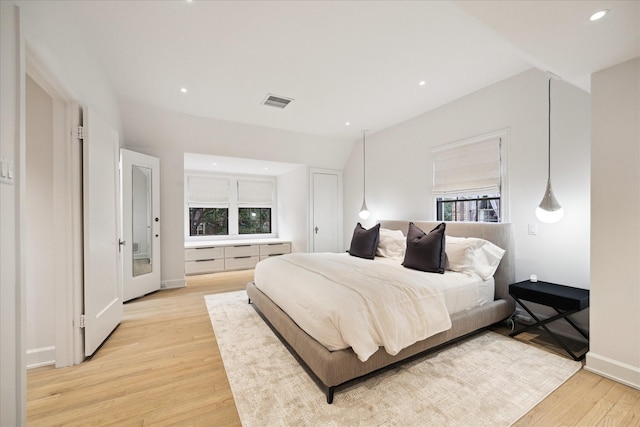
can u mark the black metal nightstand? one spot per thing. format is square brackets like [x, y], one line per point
[563, 299]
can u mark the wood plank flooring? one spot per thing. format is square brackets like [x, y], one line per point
[162, 367]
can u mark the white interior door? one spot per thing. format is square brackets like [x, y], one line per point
[102, 279]
[326, 211]
[140, 178]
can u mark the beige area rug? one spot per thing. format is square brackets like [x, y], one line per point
[487, 380]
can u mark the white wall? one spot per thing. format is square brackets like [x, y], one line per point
[40, 289]
[13, 374]
[53, 39]
[615, 223]
[293, 208]
[169, 135]
[399, 171]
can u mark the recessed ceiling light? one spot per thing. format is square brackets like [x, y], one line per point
[347, 123]
[422, 83]
[214, 164]
[598, 15]
[183, 90]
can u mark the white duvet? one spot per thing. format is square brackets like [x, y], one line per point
[344, 301]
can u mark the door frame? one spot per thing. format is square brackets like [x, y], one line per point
[312, 172]
[67, 213]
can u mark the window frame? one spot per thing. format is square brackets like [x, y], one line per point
[234, 205]
[504, 136]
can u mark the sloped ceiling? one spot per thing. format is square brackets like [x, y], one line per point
[341, 61]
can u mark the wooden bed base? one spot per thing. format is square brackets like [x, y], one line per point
[334, 369]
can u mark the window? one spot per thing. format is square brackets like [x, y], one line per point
[254, 220]
[208, 202]
[208, 221]
[255, 198]
[467, 180]
[229, 206]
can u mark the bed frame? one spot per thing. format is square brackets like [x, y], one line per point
[334, 369]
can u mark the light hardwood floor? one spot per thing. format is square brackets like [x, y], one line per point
[162, 366]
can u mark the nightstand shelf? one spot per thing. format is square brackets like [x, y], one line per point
[565, 300]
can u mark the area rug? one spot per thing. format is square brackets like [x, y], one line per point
[486, 380]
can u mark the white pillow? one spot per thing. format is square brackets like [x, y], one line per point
[473, 255]
[391, 244]
[460, 254]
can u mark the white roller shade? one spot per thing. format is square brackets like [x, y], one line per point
[255, 193]
[469, 169]
[208, 192]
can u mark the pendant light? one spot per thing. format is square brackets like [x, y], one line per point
[549, 210]
[364, 212]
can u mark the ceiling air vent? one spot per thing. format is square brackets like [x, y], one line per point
[276, 101]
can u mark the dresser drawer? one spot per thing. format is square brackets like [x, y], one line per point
[241, 251]
[275, 249]
[269, 256]
[241, 263]
[194, 254]
[207, 266]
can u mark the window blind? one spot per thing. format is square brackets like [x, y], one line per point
[468, 169]
[255, 193]
[208, 192]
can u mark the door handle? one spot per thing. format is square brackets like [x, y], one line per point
[316, 229]
[121, 243]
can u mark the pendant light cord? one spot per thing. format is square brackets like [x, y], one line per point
[364, 164]
[549, 138]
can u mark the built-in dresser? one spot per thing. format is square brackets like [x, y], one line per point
[211, 257]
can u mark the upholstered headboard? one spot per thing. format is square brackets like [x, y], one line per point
[500, 234]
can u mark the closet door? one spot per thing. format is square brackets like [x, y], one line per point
[140, 178]
[102, 278]
[326, 211]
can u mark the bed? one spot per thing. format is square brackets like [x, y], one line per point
[338, 367]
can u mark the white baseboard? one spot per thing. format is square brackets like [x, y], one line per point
[43, 356]
[170, 284]
[613, 369]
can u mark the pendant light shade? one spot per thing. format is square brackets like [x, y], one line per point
[549, 210]
[364, 211]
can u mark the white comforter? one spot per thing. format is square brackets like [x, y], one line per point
[344, 301]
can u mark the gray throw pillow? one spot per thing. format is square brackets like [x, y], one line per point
[365, 242]
[425, 252]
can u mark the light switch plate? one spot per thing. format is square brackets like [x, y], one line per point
[533, 229]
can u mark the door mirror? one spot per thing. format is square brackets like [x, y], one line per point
[141, 220]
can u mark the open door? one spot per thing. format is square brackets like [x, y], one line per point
[140, 223]
[102, 279]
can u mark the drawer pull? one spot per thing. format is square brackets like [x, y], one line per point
[241, 246]
[275, 254]
[242, 257]
[206, 247]
[202, 260]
